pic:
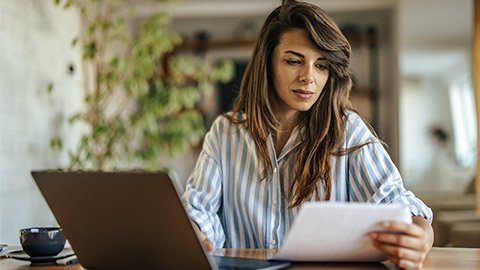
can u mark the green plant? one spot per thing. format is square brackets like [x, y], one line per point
[140, 98]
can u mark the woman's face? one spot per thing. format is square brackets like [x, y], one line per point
[300, 72]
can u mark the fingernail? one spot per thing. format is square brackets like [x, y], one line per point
[374, 235]
[386, 224]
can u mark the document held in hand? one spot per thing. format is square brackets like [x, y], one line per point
[335, 232]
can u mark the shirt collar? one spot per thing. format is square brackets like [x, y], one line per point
[292, 142]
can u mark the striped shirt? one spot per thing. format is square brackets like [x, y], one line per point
[226, 199]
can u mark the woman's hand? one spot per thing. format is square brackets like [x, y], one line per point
[409, 245]
[205, 241]
[203, 238]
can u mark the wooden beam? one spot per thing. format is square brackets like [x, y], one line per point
[476, 87]
[216, 44]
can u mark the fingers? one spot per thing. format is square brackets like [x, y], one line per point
[399, 252]
[404, 258]
[399, 240]
[203, 238]
[205, 241]
[406, 264]
[208, 244]
[401, 234]
[409, 229]
[404, 244]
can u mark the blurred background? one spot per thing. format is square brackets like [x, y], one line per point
[411, 62]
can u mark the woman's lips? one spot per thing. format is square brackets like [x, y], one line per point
[303, 94]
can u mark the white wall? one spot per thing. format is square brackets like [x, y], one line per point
[432, 49]
[35, 38]
[429, 167]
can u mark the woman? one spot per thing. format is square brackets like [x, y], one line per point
[292, 137]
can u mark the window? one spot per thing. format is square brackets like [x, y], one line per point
[464, 120]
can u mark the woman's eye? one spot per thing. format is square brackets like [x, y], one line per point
[321, 67]
[292, 62]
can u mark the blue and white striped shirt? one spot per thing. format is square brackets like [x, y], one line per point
[226, 199]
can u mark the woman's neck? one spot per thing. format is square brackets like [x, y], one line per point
[287, 124]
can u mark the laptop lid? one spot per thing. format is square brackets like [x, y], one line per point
[123, 220]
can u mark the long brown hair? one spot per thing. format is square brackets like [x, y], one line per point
[323, 125]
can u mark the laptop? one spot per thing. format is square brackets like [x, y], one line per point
[130, 220]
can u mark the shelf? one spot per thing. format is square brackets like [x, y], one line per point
[215, 44]
[364, 92]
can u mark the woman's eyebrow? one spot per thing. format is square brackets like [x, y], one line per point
[302, 56]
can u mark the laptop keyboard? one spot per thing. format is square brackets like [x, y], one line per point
[231, 263]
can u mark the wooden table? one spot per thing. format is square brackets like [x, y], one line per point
[439, 258]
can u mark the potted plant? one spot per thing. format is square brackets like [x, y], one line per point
[140, 97]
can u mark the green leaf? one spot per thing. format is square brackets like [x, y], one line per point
[75, 117]
[49, 88]
[224, 71]
[90, 50]
[74, 42]
[56, 143]
[68, 3]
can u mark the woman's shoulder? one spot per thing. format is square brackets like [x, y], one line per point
[227, 122]
[357, 131]
[353, 118]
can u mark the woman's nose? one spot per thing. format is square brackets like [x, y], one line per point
[306, 75]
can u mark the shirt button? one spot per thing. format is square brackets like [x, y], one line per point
[273, 242]
[274, 170]
[274, 202]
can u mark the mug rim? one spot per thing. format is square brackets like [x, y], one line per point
[41, 229]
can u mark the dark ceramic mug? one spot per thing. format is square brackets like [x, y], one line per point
[42, 241]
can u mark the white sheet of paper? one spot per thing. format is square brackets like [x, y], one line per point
[327, 231]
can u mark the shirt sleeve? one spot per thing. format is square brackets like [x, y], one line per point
[203, 191]
[375, 179]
